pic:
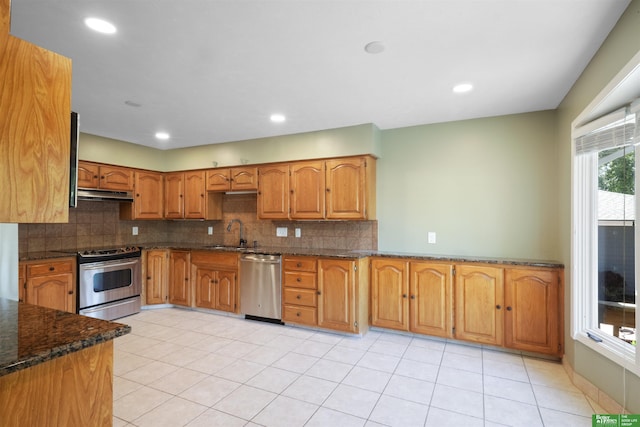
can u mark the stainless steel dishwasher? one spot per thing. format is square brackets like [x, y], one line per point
[261, 287]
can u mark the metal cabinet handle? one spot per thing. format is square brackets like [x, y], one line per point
[319, 293]
[509, 308]
[298, 296]
[413, 297]
[404, 295]
[498, 306]
[298, 314]
[52, 268]
[299, 265]
[299, 279]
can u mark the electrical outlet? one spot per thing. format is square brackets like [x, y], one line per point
[431, 237]
[281, 231]
[134, 231]
[298, 232]
[209, 231]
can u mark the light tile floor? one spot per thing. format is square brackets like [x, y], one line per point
[181, 367]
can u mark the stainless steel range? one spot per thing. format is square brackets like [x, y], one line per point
[109, 282]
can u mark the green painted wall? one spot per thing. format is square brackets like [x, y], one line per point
[105, 150]
[485, 186]
[618, 49]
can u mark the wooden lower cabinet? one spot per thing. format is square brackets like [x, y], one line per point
[179, 274]
[156, 283]
[300, 290]
[412, 296]
[343, 294]
[50, 283]
[431, 298]
[216, 280]
[533, 315]
[390, 293]
[479, 306]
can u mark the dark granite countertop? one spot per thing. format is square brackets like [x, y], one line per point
[328, 253]
[30, 334]
[355, 254]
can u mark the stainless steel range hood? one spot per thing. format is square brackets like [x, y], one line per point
[104, 195]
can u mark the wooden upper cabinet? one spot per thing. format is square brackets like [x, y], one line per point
[106, 177]
[431, 298]
[390, 293]
[350, 188]
[273, 192]
[195, 200]
[233, 179]
[307, 190]
[479, 302]
[35, 129]
[219, 179]
[88, 175]
[5, 17]
[532, 304]
[148, 202]
[174, 195]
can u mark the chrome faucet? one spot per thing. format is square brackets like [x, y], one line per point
[243, 241]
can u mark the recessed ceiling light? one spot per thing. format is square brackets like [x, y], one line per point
[463, 88]
[374, 47]
[100, 25]
[162, 135]
[278, 118]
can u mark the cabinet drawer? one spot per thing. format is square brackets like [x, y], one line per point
[300, 264]
[296, 314]
[300, 280]
[305, 297]
[211, 258]
[49, 268]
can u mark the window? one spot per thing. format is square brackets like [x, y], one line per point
[606, 239]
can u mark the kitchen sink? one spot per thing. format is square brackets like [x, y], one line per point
[230, 248]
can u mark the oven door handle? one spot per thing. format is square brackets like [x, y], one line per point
[112, 263]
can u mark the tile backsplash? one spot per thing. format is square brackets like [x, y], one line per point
[97, 224]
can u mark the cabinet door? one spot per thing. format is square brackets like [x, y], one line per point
[174, 195]
[148, 202]
[179, 285]
[218, 180]
[116, 178]
[205, 287]
[35, 129]
[346, 188]
[479, 300]
[244, 178]
[532, 319]
[88, 175]
[389, 294]
[336, 295]
[307, 190]
[225, 283]
[195, 202]
[431, 299]
[53, 291]
[273, 192]
[156, 285]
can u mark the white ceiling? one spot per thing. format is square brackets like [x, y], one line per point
[211, 71]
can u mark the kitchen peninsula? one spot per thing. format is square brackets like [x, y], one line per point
[56, 368]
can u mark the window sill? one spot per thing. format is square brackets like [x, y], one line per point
[616, 352]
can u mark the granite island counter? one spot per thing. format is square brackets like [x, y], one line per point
[56, 368]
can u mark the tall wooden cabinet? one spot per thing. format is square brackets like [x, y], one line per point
[50, 283]
[479, 304]
[179, 278]
[35, 130]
